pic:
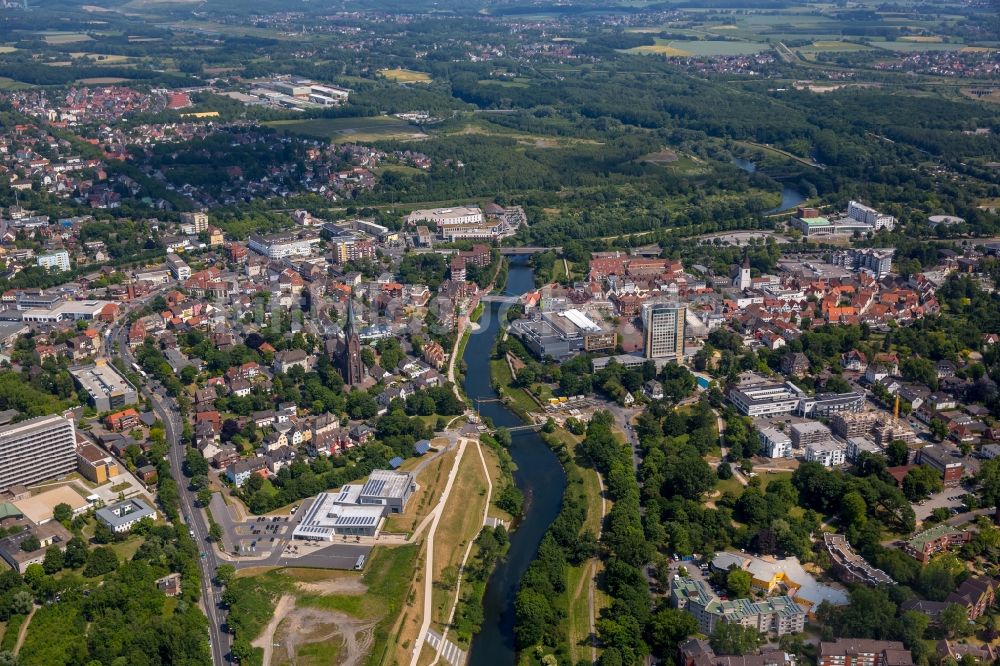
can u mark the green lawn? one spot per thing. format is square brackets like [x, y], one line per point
[348, 129]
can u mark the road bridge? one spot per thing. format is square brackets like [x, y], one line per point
[514, 251]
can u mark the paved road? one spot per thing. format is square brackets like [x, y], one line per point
[166, 410]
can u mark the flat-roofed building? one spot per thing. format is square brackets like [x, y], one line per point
[391, 490]
[828, 454]
[36, 450]
[50, 535]
[765, 398]
[123, 516]
[562, 334]
[809, 433]
[279, 246]
[947, 463]
[108, 389]
[825, 405]
[663, 325]
[178, 267]
[775, 443]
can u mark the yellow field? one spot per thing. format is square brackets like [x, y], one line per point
[661, 49]
[924, 39]
[405, 75]
[976, 49]
[7, 49]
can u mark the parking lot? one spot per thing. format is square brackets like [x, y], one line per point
[262, 535]
[949, 498]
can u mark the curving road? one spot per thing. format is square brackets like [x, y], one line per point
[166, 410]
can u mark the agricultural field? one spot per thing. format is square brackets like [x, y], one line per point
[349, 129]
[832, 46]
[684, 48]
[405, 75]
[65, 37]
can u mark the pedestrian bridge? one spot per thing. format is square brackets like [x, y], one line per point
[495, 298]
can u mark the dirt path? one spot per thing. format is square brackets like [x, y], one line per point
[592, 590]
[319, 626]
[266, 639]
[23, 631]
[346, 585]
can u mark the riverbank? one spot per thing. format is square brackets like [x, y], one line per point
[537, 474]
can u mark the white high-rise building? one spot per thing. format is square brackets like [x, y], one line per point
[664, 329]
[36, 450]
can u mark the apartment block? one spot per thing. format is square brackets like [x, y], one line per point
[863, 652]
[36, 450]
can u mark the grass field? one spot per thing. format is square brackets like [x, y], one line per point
[400, 75]
[11, 84]
[831, 46]
[461, 522]
[65, 37]
[910, 47]
[101, 80]
[924, 39]
[349, 129]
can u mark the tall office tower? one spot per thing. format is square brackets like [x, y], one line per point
[664, 329]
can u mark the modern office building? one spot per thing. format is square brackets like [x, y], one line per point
[663, 325]
[356, 510]
[58, 261]
[755, 399]
[36, 450]
[825, 405]
[107, 388]
[279, 246]
[562, 334]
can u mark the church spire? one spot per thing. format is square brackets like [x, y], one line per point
[351, 327]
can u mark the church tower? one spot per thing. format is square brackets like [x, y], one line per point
[742, 279]
[349, 362]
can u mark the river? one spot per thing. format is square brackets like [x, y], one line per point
[539, 476]
[790, 197]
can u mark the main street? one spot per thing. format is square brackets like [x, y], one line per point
[167, 411]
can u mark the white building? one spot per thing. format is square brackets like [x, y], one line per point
[54, 261]
[765, 398]
[178, 267]
[828, 453]
[122, 517]
[775, 443]
[36, 450]
[442, 217]
[279, 246]
[862, 213]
